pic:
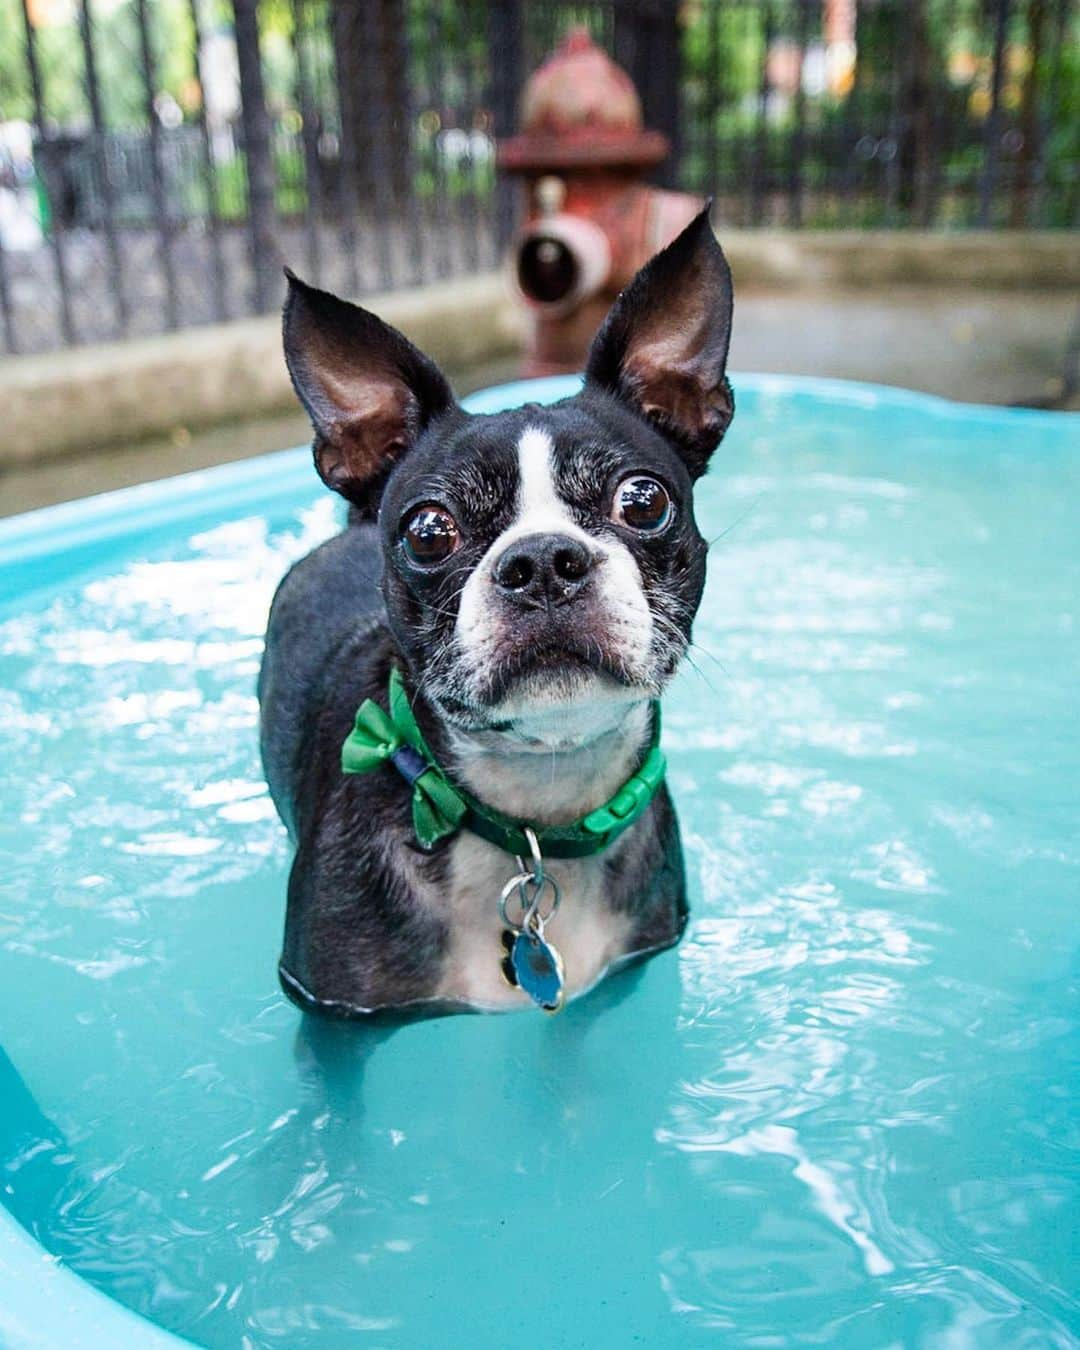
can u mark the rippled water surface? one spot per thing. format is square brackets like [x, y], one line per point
[843, 1112]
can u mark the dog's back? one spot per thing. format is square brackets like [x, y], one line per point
[323, 599]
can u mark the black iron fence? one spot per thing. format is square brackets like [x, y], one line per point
[161, 159]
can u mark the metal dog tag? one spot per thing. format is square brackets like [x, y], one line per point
[539, 970]
[531, 963]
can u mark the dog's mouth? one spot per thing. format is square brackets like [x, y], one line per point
[549, 667]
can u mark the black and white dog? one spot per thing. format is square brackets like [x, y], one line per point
[533, 576]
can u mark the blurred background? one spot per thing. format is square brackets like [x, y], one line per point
[160, 160]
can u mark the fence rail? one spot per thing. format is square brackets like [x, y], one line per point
[161, 159]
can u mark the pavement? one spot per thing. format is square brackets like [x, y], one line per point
[975, 346]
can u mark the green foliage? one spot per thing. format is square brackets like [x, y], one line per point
[117, 51]
[724, 49]
[290, 197]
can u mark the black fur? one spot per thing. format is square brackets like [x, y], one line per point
[362, 933]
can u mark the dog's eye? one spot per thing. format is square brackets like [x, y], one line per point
[430, 534]
[642, 503]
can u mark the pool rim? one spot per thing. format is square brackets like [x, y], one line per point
[46, 1304]
[123, 513]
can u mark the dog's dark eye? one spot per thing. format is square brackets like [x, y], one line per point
[642, 503]
[430, 534]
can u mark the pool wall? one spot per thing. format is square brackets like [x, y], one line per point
[43, 1304]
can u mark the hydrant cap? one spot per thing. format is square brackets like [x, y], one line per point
[580, 110]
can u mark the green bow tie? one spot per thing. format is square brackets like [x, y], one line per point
[437, 809]
[440, 809]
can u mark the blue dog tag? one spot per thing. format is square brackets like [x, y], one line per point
[539, 970]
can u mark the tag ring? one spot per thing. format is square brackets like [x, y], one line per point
[528, 911]
[536, 859]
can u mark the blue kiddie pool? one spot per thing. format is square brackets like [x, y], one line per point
[843, 1112]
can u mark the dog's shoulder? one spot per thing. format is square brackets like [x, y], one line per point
[336, 581]
[326, 648]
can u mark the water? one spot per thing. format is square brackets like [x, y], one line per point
[843, 1112]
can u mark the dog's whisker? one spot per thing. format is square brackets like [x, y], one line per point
[737, 521]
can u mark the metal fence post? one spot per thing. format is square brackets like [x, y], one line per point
[1029, 162]
[759, 165]
[656, 69]
[988, 181]
[101, 150]
[797, 161]
[209, 174]
[375, 121]
[258, 153]
[55, 226]
[309, 134]
[344, 34]
[159, 188]
[506, 31]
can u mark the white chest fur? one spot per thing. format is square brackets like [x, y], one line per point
[558, 764]
[586, 933]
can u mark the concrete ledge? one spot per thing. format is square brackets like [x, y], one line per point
[86, 398]
[817, 259]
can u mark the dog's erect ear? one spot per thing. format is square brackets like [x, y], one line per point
[368, 391]
[663, 347]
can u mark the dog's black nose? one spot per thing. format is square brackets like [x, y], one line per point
[543, 569]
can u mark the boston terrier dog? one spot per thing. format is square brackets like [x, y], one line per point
[459, 697]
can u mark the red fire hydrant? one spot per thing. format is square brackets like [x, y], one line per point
[590, 220]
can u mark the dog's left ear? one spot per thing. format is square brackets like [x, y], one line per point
[663, 346]
[368, 391]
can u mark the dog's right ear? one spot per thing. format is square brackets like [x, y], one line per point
[663, 347]
[368, 391]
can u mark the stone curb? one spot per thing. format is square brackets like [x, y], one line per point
[85, 398]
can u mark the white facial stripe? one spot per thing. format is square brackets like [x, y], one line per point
[536, 489]
[540, 510]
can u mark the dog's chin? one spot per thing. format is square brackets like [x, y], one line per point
[562, 703]
[565, 685]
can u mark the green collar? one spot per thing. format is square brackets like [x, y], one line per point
[441, 808]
